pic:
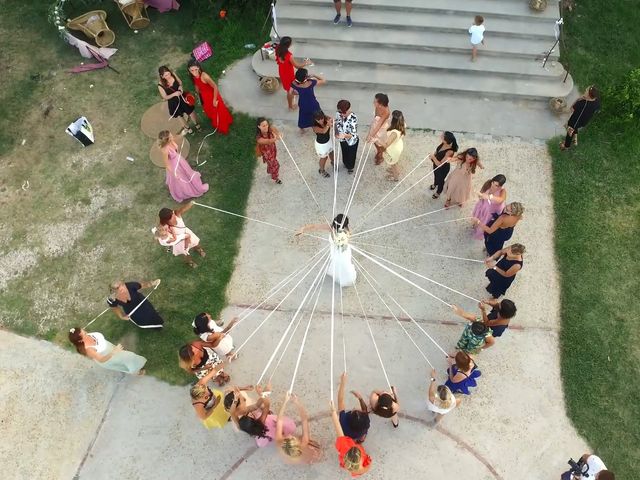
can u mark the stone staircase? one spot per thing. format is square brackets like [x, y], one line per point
[418, 52]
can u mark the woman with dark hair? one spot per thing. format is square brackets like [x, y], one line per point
[393, 145]
[200, 358]
[380, 124]
[307, 102]
[491, 202]
[208, 406]
[171, 91]
[208, 330]
[500, 316]
[293, 448]
[500, 228]
[258, 421]
[182, 180]
[346, 125]
[286, 67]
[324, 149]
[266, 138]
[458, 187]
[105, 354]
[583, 109]
[210, 98]
[341, 267]
[355, 422]
[175, 223]
[385, 404]
[441, 161]
[128, 303]
[462, 373]
[351, 455]
[502, 273]
[440, 400]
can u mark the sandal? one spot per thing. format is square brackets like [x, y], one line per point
[432, 187]
[350, 171]
[197, 127]
[279, 182]
[395, 425]
[435, 196]
[324, 173]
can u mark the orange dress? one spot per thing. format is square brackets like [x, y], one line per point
[220, 116]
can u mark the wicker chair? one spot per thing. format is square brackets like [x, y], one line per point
[134, 12]
[94, 25]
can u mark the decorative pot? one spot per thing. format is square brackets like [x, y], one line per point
[538, 5]
[269, 84]
[558, 105]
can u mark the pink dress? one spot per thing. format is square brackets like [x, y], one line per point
[288, 427]
[458, 187]
[484, 211]
[163, 5]
[183, 182]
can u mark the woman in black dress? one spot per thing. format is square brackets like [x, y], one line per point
[502, 273]
[583, 109]
[126, 297]
[440, 159]
[170, 88]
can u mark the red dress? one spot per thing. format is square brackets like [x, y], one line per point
[286, 71]
[220, 116]
[269, 153]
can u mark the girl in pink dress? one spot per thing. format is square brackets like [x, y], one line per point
[183, 182]
[492, 198]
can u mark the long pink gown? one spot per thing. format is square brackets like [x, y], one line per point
[188, 183]
[484, 211]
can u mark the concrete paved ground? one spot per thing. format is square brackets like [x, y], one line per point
[65, 416]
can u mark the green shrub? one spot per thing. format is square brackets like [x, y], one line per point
[623, 99]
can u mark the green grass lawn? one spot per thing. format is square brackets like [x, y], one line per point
[86, 217]
[597, 192]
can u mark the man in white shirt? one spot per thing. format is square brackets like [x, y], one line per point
[597, 470]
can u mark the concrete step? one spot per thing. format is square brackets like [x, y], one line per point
[336, 36]
[427, 61]
[443, 111]
[488, 8]
[381, 78]
[422, 21]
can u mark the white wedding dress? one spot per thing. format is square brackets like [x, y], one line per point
[341, 267]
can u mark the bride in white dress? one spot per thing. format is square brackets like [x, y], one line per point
[341, 267]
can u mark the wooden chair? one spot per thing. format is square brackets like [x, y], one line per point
[134, 12]
[94, 25]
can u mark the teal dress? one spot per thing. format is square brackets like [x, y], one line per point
[124, 361]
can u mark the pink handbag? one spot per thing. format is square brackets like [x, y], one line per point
[202, 51]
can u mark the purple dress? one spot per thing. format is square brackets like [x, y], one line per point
[483, 211]
[183, 182]
[307, 104]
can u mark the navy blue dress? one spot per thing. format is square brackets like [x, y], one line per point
[495, 241]
[307, 104]
[498, 284]
[463, 386]
[497, 330]
[145, 316]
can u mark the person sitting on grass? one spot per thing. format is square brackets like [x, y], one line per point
[476, 335]
[352, 456]
[355, 423]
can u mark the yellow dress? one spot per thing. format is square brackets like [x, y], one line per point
[219, 417]
[393, 151]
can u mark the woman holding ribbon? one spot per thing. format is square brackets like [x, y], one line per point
[128, 303]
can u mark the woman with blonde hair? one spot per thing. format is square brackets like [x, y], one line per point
[128, 303]
[500, 227]
[393, 145]
[183, 182]
[351, 455]
[105, 354]
[502, 273]
[209, 406]
[440, 400]
[296, 449]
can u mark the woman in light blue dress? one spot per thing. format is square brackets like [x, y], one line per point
[105, 353]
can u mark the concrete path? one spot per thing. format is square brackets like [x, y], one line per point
[65, 417]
